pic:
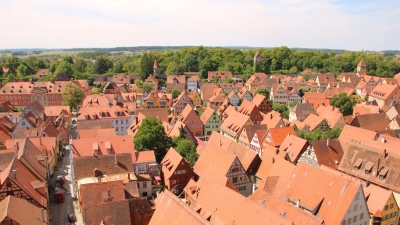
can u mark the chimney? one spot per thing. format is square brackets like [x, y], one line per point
[273, 160]
[378, 167]
[289, 134]
[220, 143]
[129, 176]
[43, 212]
[116, 161]
[327, 142]
[15, 174]
[298, 203]
[16, 148]
[271, 116]
[383, 140]
[385, 154]
[277, 151]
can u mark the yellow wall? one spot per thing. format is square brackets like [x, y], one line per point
[197, 99]
[387, 212]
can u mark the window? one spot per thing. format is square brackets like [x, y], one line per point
[386, 207]
[23, 122]
[144, 185]
[183, 171]
[361, 216]
[179, 172]
[10, 192]
[349, 221]
[174, 182]
[357, 196]
[391, 206]
[234, 180]
[354, 219]
[355, 207]
[138, 185]
[242, 188]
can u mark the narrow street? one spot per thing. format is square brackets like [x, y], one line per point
[59, 211]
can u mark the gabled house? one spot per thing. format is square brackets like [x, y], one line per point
[294, 96]
[190, 118]
[250, 160]
[226, 164]
[175, 171]
[152, 81]
[392, 112]
[323, 153]
[292, 148]
[273, 119]
[122, 79]
[175, 131]
[323, 79]
[248, 132]
[180, 103]
[19, 181]
[275, 136]
[245, 94]
[233, 98]
[382, 205]
[394, 124]
[219, 75]
[385, 95]
[193, 83]
[334, 198]
[332, 115]
[256, 144]
[300, 81]
[233, 125]
[196, 98]
[176, 82]
[316, 122]
[210, 120]
[301, 111]
[20, 211]
[372, 122]
[216, 101]
[254, 81]
[249, 109]
[278, 94]
[262, 103]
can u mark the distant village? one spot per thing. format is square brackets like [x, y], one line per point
[63, 165]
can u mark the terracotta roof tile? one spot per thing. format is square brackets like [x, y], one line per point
[245, 155]
[313, 121]
[372, 122]
[332, 193]
[84, 166]
[183, 214]
[329, 153]
[103, 192]
[292, 147]
[145, 156]
[225, 206]
[234, 123]
[279, 134]
[109, 132]
[220, 140]
[113, 212]
[21, 211]
[88, 125]
[355, 134]
[119, 144]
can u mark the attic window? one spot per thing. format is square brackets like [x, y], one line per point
[383, 173]
[357, 164]
[368, 167]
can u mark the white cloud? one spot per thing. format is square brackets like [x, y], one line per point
[293, 23]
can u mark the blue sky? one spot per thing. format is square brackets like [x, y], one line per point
[339, 24]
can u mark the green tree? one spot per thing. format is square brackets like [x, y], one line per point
[175, 93]
[146, 66]
[190, 63]
[23, 70]
[344, 103]
[11, 77]
[172, 68]
[72, 95]
[12, 64]
[130, 67]
[317, 134]
[187, 150]
[282, 109]
[102, 64]
[139, 83]
[263, 91]
[80, 65]
[151, 136]
[293, 104]
[68, 59]
[146, 88]
[64, 67]
[118, 67]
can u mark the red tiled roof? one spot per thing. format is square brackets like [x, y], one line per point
[119, 144]
[21, 211]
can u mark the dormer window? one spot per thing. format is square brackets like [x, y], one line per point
[383, 172]
[368, 167]
[357, 164]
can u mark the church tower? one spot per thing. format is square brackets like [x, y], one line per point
[156, 69]
[362, 67]
[257, 62]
